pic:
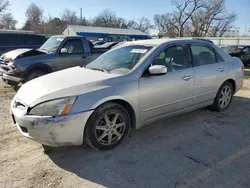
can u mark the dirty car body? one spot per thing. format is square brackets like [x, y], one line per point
[149, 79]
[18, 65]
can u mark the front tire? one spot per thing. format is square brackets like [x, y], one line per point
[223, 98]
[34, 74]
[107, 127]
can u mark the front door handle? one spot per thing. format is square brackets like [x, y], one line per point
[221, 69]
[84, 57]
[187, 77]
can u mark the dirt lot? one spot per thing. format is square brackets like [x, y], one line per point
[198, 149]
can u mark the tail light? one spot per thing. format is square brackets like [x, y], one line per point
[242, 68]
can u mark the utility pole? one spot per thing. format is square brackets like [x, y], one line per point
[80, 16]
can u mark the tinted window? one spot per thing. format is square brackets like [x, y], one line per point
[34, 40]
[174, 58]
[74, 46]
[11, 39]
[202, 55]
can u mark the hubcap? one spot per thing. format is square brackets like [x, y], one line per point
[225, 96]
[110, 128]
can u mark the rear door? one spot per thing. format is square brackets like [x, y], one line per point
[75, 55]
[210, 72]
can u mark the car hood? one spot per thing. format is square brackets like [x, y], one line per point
[70, 82]
[14, 53]
[19, 53]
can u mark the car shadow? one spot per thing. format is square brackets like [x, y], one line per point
[155, 155]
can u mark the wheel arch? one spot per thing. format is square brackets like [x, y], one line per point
[231, 81]
[124, 103]
[39, 66]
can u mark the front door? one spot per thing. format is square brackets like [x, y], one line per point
[210, 72]
[160, 95]
[73, 56]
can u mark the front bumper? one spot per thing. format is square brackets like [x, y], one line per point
[52, 131]
[9, 77]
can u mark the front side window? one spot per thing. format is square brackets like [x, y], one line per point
[202, 55]
[174, 58]
[121, 59]
[74, 46]
[246, 50]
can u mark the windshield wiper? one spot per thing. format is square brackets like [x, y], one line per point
[100, 69]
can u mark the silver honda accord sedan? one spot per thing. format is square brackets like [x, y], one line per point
[129, 86]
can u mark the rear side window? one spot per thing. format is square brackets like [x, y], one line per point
[203, 55]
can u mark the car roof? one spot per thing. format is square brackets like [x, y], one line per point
[243, 45]
[71, 36]
[157, 42]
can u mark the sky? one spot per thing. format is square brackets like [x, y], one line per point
[128, 9]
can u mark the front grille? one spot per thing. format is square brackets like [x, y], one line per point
[24, 129]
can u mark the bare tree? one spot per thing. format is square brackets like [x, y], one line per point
[143, 24]
[184, 12]
[195, 18]
[34, 15]
[7, 21]
[108, 18]
[212, 19]
[69, 16]
[164, 23]
[4, 4]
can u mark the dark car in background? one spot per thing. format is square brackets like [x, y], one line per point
[11, 41]
[240, 51]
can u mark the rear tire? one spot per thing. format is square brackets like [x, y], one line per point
[223, 98]
[107, 127]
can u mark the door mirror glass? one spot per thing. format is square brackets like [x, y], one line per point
[158, 69]
[64, 51]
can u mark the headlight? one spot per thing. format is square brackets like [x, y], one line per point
[54, 108]
[11, 64]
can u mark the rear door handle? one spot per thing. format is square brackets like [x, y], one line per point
[221, 69]
[187, 77]
[84, 57]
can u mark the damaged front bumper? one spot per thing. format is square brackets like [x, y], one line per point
[8, 76]
[52, 131]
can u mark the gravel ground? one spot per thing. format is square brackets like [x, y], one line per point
[197, 149]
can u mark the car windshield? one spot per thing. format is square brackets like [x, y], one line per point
[52, 44]
[231, 49]
[121, 59]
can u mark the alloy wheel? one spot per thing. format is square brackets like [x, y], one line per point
[110, 128]
[225, 96]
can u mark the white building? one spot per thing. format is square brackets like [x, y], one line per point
[105, 33]
[233, 32]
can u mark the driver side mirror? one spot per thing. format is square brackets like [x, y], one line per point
[64, 51]
[158, 70]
